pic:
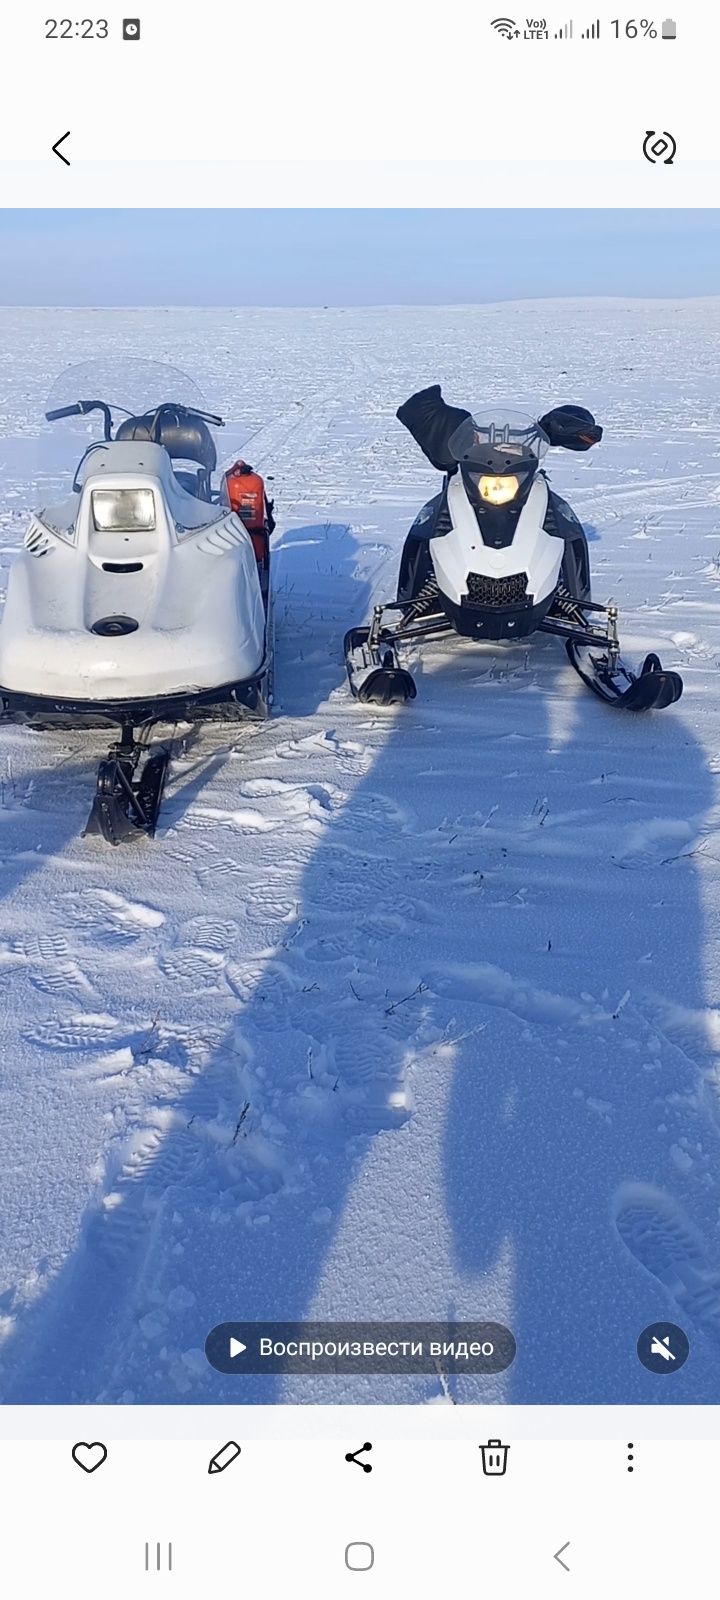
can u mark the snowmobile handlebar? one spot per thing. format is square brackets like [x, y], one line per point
[185, 411]
[63, 411]
[80, 409]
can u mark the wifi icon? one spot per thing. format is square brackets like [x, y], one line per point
[505, 27]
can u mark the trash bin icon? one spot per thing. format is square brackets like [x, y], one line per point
[494, 1458]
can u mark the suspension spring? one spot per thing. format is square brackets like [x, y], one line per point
[566, 606]
[424, 601]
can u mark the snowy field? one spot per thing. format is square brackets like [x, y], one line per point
[402, 1015]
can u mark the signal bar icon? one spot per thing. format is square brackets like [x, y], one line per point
[566, 32]
[593, 32]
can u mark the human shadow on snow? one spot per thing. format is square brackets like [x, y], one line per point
[459, 1081]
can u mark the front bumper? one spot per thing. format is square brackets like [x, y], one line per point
[495, 622]
[187, 706]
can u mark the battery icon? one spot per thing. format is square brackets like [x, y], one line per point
[669, 29]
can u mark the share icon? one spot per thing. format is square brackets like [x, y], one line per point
[352, 1455]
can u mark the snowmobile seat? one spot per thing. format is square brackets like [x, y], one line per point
[186, 438]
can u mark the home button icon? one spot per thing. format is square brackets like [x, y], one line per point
[359, 1556]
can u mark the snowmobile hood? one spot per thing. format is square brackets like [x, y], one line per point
[462, 559]
[134, 598]
[123, 465]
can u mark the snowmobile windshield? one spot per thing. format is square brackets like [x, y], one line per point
[130, 386]
[123, 386]
[498, 443]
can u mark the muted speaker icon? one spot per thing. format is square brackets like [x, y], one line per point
[663, 1347]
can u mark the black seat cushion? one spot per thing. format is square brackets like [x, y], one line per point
[186, 438]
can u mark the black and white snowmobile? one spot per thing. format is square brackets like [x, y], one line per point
[498, 555]
[143, 596]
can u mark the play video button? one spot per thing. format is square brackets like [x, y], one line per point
[242, 1349]
[663, 1347]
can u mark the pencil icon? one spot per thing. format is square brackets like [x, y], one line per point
[224, 1458]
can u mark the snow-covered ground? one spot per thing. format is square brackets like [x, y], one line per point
[402, 1015]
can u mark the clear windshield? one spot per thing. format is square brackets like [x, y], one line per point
[129, 385]
[498, 441]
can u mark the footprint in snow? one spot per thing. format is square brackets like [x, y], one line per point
[380, 926]
[366, 813]
[255, 980]
[351, 757]
[84, 1032]
[210, 873]
[396, 917]
[52, 967]
[657, 1234]
[655, 843]
[209, 933]
[201, 969]
[108, 918]
[61, 977]
[273, 998]
[265, 788]
[336, 894]
[42, 946]
[264, 906]
[334, 947]
[241, 821]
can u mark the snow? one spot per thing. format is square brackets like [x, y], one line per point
[402, 1015]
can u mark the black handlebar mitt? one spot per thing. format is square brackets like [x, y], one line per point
[571, 428]
[431, 421]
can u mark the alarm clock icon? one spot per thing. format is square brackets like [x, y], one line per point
[131, 28]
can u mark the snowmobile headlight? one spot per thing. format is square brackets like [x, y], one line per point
[123, 510]
[498, 491]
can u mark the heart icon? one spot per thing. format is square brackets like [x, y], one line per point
[89, 1456]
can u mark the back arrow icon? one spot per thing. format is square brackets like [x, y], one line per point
[559, 1554]
[56, 148]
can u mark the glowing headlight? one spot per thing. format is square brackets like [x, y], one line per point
[498, 491]
[123, 510]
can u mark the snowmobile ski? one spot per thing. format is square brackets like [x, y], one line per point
[374, 671]
[127, 804]
[651, 689]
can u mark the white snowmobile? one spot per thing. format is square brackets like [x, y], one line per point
[498, 555]
[144, 595]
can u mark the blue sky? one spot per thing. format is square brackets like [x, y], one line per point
[351, 257]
